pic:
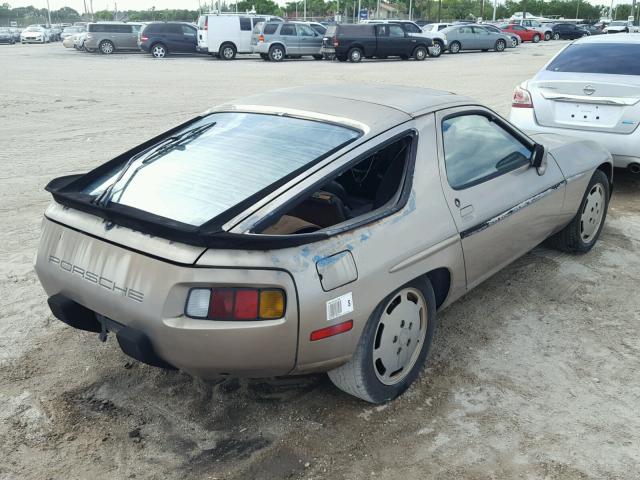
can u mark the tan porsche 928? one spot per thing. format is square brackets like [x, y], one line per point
[311, 229]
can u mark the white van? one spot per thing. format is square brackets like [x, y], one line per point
[225, 35]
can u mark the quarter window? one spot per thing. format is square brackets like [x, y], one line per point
[305, 31]
[396, 31]
[477, 149]
[270, 28]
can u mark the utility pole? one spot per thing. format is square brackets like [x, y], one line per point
[439, 10]
[411, 10]
[305, 10]
[482, 9]
[494, 10]
[49, 12]
[359, 8]
[578, 9]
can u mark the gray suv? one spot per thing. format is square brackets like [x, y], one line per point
[107, 37]
[277, 40]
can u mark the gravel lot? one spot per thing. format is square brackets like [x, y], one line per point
[533, 375]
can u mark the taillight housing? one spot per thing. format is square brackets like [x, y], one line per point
[335, 42]
[206, 23]
[261, 38]
[144, 38]
[236, 304]
[521, 98]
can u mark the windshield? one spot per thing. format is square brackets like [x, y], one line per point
[34, 29]
[192, 178]
[618, 24]
[4, 30]
[608, 58]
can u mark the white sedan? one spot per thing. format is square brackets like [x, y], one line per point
[35, 35]
[590, 90]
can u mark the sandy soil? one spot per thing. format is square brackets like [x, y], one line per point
[534, 375]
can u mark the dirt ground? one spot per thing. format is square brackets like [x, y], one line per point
[533, 375]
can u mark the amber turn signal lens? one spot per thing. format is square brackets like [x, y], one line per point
[271, 304]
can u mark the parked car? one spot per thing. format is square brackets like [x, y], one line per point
[78, 41]
[70, 41]
[163, 38]
[546, 31]
[438, 38]
[435, 27]
[526, 34]
[568, 31]
[276, 41]
[313, 255]
[354, 41]
[35, 35]
[109, 37]
[15, 31]
[515, 39]
[226, 35]
[55, 32]
[6, 36]
[592, 29]
[620, 27]
[70, 31]
[590, 90]
[475, 37]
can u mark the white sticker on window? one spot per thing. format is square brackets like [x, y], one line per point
[340, 306]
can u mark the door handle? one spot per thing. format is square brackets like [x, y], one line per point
[466, 210]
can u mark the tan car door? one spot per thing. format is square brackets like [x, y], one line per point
[501, 205]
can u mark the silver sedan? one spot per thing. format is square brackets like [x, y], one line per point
[475, 37]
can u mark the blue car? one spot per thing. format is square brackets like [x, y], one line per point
[162, 39]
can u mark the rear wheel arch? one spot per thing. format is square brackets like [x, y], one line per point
[607, 169]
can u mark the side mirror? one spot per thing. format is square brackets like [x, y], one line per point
[539, 158]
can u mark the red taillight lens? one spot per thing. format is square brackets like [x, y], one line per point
[206, 23]
[221, 305]
[144, 38]
[236, 303]
[261, 38]
[246, 305]
[521, 98]
[335, 42]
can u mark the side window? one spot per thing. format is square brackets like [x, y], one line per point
[442, 27]
[270, 28]
[365, 187]
[173, 28]
[305, 31]
[257, 20]
[465, 30]
[477, 149]
[245, 24]
[411, 28]
[319, 28]
[188, 31]
[480, 31]
[382, 30]
[396, 31]
[288, 29]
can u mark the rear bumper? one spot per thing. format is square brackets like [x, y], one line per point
[148, 295]
[261, 47]
[202, 49]
[625, 149]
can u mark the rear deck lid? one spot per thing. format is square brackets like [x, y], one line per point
[590, 86]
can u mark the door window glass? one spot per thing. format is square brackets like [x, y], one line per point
[270, 28]
[477, 149]
[465, 30]
[396, 31]
[245, 24]
[288, 29]
[305, 31]
[188, 31]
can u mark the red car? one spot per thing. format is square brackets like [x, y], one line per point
[526, 34]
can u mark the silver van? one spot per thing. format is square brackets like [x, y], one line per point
[107, 37]
[277, 40]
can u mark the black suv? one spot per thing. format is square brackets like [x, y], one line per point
[160, 39]
[380, 40]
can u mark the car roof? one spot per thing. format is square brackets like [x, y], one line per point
[375, 107]
[629, 38]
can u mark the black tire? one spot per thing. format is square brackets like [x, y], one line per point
[436, 49]
[547, 36]
[420, 53]
[276, 53]
[358, 377]
[455, 47]
[264, 56]
[485, 49]
[106, 47]
[340, 58]
[570, 238]
[159, 50]
[318, 57]
[227, 51]
[500, 45]
[536, 38]
[556, 36]
[354, 55]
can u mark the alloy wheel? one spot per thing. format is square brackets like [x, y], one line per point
[159, 51]
[399, 336]
[592, 214]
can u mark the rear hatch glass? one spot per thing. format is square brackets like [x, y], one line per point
[217, 163]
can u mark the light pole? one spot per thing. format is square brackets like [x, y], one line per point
[494, 10]
[410, 10]
[305, 10]
[49, 12]
[359, 8]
